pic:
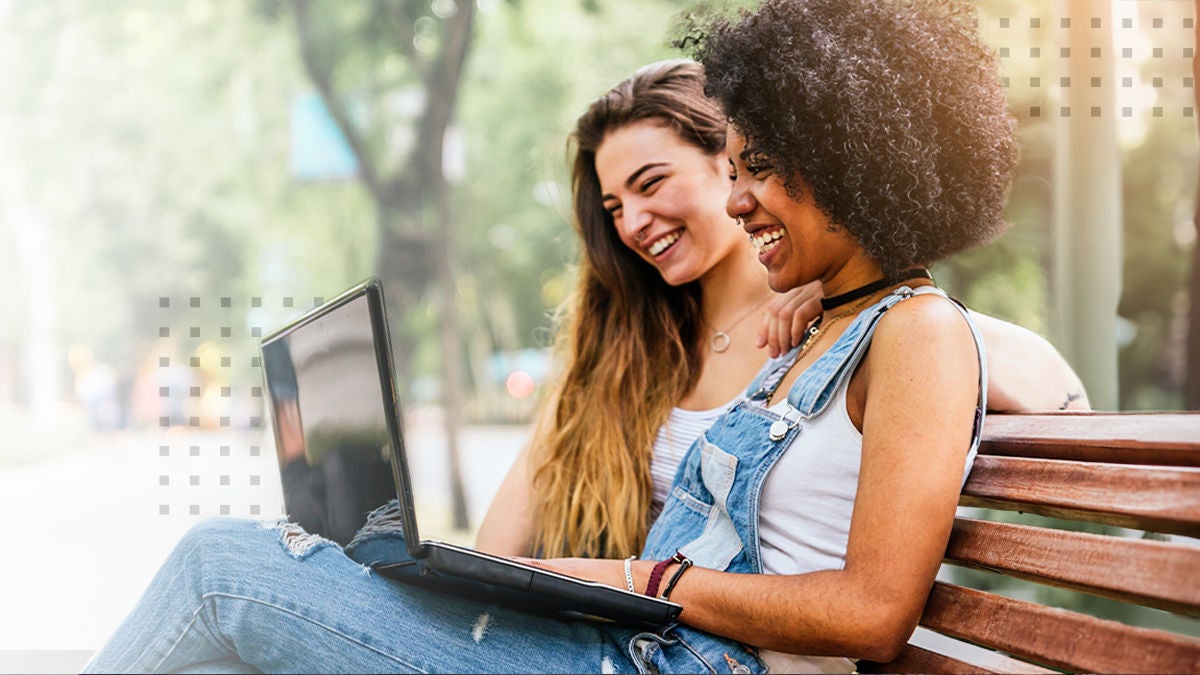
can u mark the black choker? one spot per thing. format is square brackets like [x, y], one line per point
[863, 291]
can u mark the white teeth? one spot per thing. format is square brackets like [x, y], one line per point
[766, 240]
[662, 244]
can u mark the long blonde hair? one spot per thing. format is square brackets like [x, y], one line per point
[629, 343]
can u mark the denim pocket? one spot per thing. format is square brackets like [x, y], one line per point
[719, 542]
[683, 518]
[685, 498]
[692, 651]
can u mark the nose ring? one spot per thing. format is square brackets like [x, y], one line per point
[740, 222]
[639, 236]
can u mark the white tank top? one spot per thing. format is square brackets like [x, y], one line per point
[821, 511]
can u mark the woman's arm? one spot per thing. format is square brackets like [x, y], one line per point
[917, 392]
[507, 529]
[1025, 372]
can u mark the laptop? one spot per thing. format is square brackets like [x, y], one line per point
[336, 415]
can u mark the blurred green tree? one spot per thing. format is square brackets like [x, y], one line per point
[1154, 86]
[108, 127]
[391, 73]
[369, 61]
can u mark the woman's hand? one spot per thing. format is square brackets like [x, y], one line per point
[608, 572]
[787, 317]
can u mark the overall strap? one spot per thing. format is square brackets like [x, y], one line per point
[815, 388]
[771, 372]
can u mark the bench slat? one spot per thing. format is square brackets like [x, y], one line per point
[1150, 573]
[1144, 438]
[914, 659]
[1141, 497]
[1057, 637]
[1140, 471]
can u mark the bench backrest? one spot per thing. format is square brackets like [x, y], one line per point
[1130, 470]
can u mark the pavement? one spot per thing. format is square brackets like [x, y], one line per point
[84, 530]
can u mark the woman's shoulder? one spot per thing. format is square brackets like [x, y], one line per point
[926, 307]
[927, 324]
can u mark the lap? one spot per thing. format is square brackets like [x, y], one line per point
[302, 604]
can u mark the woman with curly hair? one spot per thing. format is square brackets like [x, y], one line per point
[663, 268]
[805, 527]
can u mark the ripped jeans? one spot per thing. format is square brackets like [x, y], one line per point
[240, 596]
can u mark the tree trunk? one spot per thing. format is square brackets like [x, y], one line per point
[442, 87]
[410, 254]
[452, 396]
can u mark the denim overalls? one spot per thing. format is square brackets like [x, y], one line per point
[712, 513]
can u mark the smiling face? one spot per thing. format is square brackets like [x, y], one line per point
[792, 236]
[665, 198]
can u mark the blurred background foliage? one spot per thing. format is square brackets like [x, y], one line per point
[146, 152]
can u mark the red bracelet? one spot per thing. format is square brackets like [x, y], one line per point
[660, 567]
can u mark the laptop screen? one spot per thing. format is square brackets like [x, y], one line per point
[327, 404]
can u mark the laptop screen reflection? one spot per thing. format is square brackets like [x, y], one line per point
[331, 434]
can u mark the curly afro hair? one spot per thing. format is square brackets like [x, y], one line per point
[890, 112]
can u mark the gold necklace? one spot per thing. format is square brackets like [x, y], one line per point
[813, 335]
[720, 340]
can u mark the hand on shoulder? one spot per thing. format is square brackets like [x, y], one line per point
[787, 317]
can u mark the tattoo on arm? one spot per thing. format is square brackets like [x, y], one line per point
[1071, 398]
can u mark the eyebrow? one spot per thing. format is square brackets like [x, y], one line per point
[748, 149]
[633, 178]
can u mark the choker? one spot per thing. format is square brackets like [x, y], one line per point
[862, 291]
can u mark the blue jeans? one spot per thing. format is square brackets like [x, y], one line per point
[238, 596]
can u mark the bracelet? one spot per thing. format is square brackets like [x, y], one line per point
[660, 567]
[683, 567]
[656, 576]
[629, 573]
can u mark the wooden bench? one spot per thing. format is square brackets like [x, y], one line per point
[1139, 471]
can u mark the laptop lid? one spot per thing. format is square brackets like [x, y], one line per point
[336, 416]
[342, 453]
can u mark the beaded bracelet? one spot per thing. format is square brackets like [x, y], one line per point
[660, 567]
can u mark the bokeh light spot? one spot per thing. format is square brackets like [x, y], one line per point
[519, 384]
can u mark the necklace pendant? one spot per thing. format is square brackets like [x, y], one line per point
[778, 430]
[720, 342]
